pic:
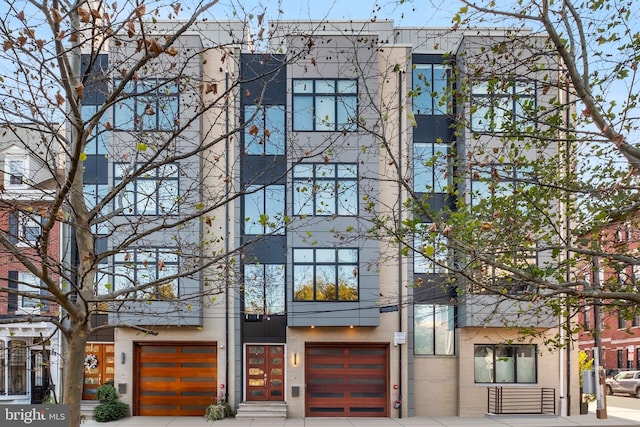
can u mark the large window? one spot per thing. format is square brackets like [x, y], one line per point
[635, 322]
[499, 106]
[152, 193]
[429, 89]
[16, 171]
[325, 189]
[15, 368]
[621, 359]
[139, 267]
[98, 140]
[29, 283]
[587, 317]
[499, 180]
[264, 209]
[148, 105]
[264, 130]
[430, 168]
[25, 228]
[264, 289]
[495, 363]
[325, 274]
[622, 322]
[431, 252]
[325, 105]
[433, 329]
[491, 277]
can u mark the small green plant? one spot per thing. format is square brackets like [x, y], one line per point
[110, 408]
[219, 409]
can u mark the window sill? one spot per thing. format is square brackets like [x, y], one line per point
[28, 311]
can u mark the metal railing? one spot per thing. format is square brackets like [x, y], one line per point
[521, 400]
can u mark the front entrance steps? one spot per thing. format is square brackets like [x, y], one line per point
[248, 410]
[87, 407]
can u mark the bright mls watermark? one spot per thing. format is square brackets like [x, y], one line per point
[34, 415]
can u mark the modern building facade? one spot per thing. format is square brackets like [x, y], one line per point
[302, 161]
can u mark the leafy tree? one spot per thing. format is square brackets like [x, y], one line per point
[547, 112]
[591, 120]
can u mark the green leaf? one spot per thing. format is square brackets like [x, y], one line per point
[141, 146]
[412, 119]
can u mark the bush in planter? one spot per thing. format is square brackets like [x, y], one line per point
[219, 409]
[110, 408]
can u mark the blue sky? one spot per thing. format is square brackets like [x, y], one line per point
[430, 13]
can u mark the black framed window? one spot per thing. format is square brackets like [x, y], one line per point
[433, 326]
[499, 180]
[98, 141]
[429, 89]
[621, 361]
[155, 192]
[325, 104]
[264, 209]
[157, 267]
[325, 274]
[264, 131]
[264, 289]
[622, 322]
[497, 363]
[431, 251]
[430, 167]
[498, 106]
[147, 105]
[325, 189]
[16, 367]
[502, 280]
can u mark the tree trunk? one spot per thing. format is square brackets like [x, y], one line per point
[74, 371]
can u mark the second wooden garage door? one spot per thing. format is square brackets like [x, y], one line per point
[346, 381]
[175, 378]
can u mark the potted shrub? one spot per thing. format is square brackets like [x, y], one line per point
[219, 409]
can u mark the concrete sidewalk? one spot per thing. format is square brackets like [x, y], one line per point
[616, 417]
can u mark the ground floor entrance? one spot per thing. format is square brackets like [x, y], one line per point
[265, 372]
[346, 380]
[174, 379]
[98, 368]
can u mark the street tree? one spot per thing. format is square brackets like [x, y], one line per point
[122, 117]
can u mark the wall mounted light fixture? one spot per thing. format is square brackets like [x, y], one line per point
[295, 359]
[123, 357]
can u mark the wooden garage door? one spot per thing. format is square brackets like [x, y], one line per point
[175, 378]
[346, 381]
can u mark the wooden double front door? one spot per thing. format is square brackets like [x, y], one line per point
[265, 372]
[98, 368]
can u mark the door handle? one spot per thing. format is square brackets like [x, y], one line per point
[100, 379]
[265, 380]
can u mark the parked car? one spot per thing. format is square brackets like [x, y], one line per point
[624, 382]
